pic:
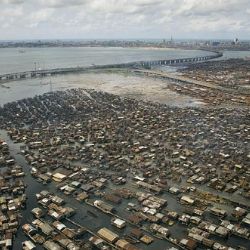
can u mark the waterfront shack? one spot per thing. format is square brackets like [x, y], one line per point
[108, 235]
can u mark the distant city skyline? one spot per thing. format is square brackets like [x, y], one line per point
[124, 19]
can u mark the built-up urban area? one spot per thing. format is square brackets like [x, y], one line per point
[84, 169]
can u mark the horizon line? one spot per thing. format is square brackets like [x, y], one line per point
[118, 39]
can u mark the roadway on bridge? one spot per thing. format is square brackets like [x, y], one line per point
[180, 78]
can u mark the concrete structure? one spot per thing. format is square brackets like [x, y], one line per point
[138, 64]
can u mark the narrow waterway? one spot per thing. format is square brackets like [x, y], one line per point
[81, 217]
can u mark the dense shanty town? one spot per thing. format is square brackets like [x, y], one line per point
[221, 83]
[105, 172]
[232, 73]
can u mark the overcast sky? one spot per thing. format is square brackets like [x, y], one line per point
[110, 19]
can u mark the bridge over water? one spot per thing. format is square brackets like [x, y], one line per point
[138, 64]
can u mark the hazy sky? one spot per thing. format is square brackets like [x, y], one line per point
[109, 19]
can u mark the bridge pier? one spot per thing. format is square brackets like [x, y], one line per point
[49, 72]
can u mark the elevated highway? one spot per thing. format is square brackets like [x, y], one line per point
[137, 64]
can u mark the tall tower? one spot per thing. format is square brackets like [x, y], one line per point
[171, 39]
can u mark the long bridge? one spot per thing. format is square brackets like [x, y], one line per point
[137, 64]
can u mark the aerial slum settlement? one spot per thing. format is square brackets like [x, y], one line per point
[12, 196]
[223, 82]
[117, 173]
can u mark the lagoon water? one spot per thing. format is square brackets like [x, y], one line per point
[16, 60]
[122, 84]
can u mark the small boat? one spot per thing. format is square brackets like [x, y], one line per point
[131, 239]
[92, 213]
[4, 86]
